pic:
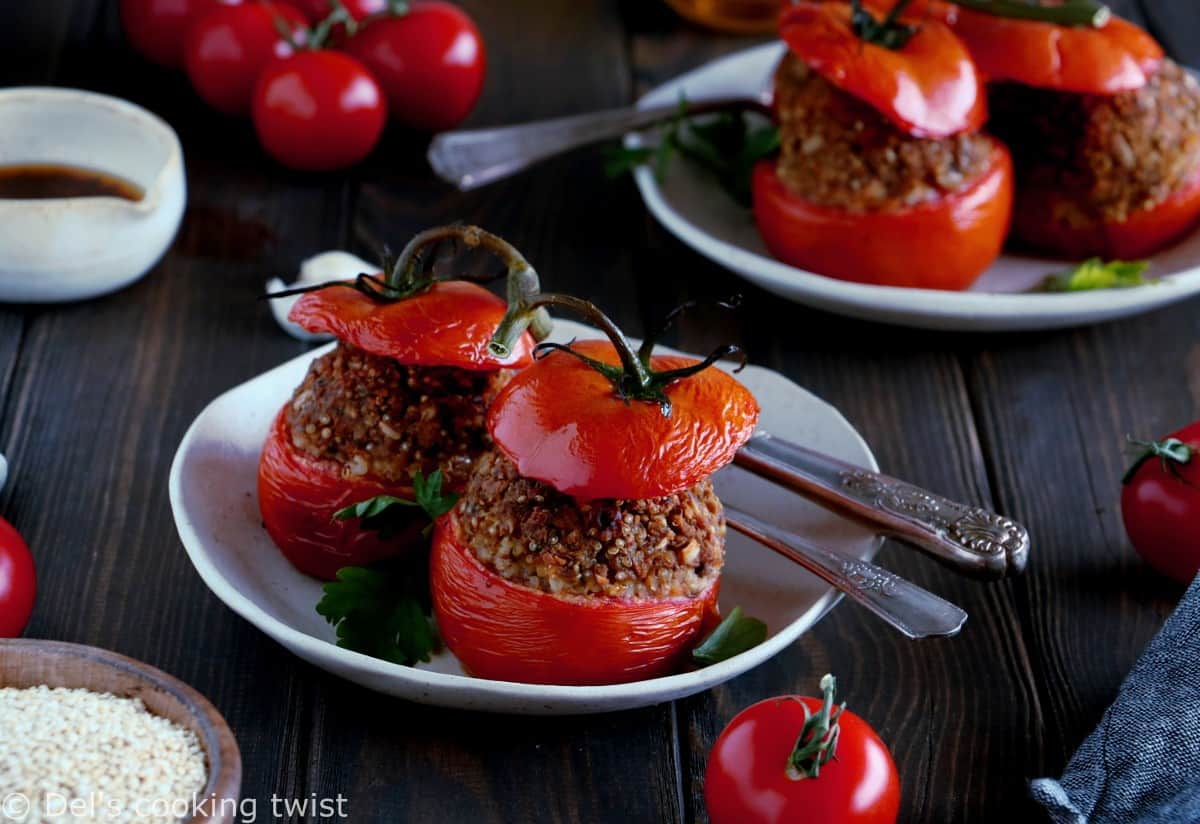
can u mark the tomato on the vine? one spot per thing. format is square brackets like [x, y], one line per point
[430, 61]
[318, 110]
[158, 28]
[228, 48]
[775, 763]
[1160, 504]
[17, 582]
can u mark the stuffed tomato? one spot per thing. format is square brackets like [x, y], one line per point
[404, 391]
[588, 545]
[883, 176]
[1105, 132]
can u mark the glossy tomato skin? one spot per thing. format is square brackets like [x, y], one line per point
[297, 497]
[944, 244]
[318, 110]
[1048, 219]
[509, 632]
[1161, 511]
[18, 583]
[228, 48]
[449, 324]
[158, 28]
[746, 780]
[928, 88]
[561, 422]
[430, 62]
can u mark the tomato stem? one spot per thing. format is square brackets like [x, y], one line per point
[818, 739]
[1067, 13]
[634, 379]
[889, 33]
[1172, 452]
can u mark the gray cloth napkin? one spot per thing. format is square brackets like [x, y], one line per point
[1142, 764]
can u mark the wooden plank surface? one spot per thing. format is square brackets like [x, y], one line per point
[97, 395]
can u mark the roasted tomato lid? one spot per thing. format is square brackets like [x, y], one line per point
[405, 314]
[916, 72]
[1079, 47]
[598, 419]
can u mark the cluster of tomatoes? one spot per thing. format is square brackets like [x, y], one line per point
[319, 78]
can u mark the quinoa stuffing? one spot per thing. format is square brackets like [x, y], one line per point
[376, 416]
[533, 535]
[837, 151]
[1116, 154]
[108, 757]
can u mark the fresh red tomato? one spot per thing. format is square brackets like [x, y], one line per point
[318, 110]
[159, 28]
[928, 87]
[228, 47]
[318, 10]
[506, 631]
[560, 421]
[18, 583]
[942, 244]
[776, 763]
[430, 62]
[1160, 504]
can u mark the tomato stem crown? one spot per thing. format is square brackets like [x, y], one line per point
[818, 739]
[634, 379]
[889, 32]
[409, 274]
[1172, 453]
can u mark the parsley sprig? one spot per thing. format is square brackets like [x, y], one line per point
[1094, 273]
[736, 634]
[389, 515]
[383, 611]
[726, 145]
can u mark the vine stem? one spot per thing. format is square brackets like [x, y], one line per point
[1069, 13]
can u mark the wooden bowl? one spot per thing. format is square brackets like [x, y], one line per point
[29, 663]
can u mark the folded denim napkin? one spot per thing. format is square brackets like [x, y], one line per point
[1142, 764]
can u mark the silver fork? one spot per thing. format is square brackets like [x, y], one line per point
[472, 158]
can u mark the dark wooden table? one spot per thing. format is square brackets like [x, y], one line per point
[97, 395]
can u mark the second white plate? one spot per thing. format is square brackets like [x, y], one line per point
[696, 211]
[215, 504]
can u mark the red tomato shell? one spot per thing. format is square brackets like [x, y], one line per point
[228, 47]
[1161, 511]
[1047, 219]
[430, 63]
[945, 244]
[561, 423]
[318, 110]
[18, 582]
[928, 88]
[450, 324]
[158, 29]
[746, 781]
[297, 496]
[508, 632]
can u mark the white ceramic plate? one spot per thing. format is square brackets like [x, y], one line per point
[216, 511]
[696, 211]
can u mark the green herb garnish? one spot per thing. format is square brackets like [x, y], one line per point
[1094, 273]
[382, 612]
[734, 635]
[389, 515]
[727, 145]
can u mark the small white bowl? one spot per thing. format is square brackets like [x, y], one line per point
[61, 249]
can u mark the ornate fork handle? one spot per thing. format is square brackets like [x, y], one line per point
[967, 538]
